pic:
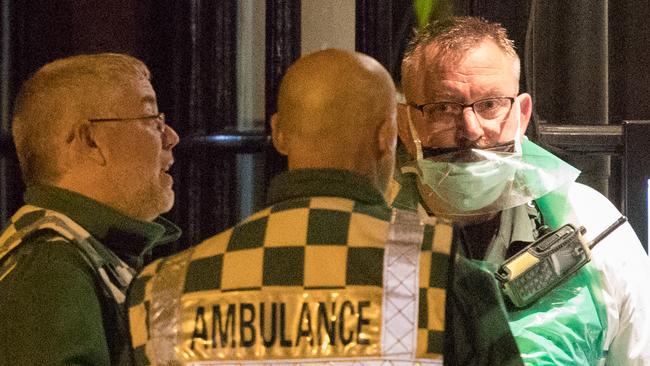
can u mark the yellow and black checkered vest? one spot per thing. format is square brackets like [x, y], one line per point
[114, 274]
[307, 281]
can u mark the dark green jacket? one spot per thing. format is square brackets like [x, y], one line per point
[52, 307]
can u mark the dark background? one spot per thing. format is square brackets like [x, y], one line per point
[583, 61]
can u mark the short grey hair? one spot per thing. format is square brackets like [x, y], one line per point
[54, 98]
[454, 36]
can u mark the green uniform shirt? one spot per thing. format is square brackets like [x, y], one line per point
[52, 307]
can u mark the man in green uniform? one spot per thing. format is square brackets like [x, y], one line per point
[463, 155]
[327, 273]
[95, 153]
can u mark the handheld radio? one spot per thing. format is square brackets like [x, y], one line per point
[545, 263]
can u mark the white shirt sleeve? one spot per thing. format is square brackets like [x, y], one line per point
[625, 271]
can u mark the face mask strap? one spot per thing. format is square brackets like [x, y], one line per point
[517, 139]
[414, 134]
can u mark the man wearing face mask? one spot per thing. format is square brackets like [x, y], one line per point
[463, 156]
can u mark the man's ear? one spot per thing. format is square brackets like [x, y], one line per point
[278, 136]
[387, 137]
[525, 110]
[84, 140]
[403, 129]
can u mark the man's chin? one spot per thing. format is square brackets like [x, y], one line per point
[437, 207]
[161, 203]
[167, 201]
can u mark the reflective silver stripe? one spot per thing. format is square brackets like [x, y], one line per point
[165, 310]
[401, 285]
[11, 238]
[70, 230]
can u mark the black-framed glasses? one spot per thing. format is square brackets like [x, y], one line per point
[160, 117]
[488, 110]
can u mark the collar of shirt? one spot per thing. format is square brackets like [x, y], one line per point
[516, 230]
[125, 236]
[323, 182]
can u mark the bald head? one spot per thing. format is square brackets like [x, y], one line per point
[336, 109]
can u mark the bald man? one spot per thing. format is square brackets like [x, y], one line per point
[333, 122]
[328, 272]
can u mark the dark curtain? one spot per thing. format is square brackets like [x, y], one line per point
[193, 48]
[282, 49]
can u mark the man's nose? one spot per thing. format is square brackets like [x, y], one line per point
[470, 128]
[170, 138]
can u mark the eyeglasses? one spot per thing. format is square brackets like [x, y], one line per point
[160, 117]
[489, 111]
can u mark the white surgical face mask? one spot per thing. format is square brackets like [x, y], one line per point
[480, 181]
[466, 187]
